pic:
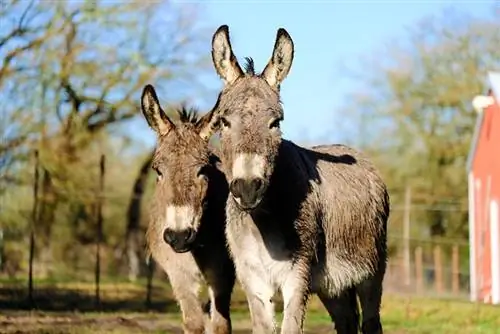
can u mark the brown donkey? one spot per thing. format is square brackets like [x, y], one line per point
[186, 232]
[299, 220]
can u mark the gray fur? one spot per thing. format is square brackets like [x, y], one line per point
[299, 220]
[189, 176]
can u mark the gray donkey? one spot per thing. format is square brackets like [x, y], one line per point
[298, 220]
[186, 231]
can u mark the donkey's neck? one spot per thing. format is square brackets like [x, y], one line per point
[293, 170]
[290, 184]
[286, 210]
[214, 215]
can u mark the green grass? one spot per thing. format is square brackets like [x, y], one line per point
[70, 309]
[425, 315]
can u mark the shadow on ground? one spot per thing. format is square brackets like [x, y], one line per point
[123, 308]
[73, 299]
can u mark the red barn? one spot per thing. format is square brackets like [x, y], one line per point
[483, 168]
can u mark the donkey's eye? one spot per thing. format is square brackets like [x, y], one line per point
[275, 123]
[159, 174]
[203, 173]
[225, 123]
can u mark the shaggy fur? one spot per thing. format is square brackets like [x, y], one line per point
[189, 177]
[299, 220]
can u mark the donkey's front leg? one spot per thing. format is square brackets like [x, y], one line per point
[186, 292]
[259, 296]
[220, 302]
[295, 292]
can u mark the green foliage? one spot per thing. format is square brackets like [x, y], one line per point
[413, 114]
[71, 75]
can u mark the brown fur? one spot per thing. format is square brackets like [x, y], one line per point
[301, 220]
[189, 176]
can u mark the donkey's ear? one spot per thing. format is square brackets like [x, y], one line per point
[154, 114]
[207, 125]
[281, 61]
[223, 57]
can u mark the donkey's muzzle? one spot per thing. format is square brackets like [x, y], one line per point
[180, 241]
[248, 192]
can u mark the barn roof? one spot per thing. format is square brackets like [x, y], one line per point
[480, 103]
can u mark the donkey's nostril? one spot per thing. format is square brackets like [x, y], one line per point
[189, 236]
[258, 185]
[169, 236]
[236, 187]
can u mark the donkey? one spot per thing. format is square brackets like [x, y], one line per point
[299, 220]
[186, 231]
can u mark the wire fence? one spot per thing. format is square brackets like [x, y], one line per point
[437, 269]
[432, 272]
[417, 266]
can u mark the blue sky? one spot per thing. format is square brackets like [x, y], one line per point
[326, 34]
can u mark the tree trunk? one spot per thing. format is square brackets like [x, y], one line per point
[134, 220]
[48, 206]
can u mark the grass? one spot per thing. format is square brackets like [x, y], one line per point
[70, 308]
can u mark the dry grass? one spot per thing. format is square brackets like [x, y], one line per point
[70, 308]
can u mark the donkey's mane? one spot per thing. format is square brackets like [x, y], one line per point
[189, 115]
[249, 66]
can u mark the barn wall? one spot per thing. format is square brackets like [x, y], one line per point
[495, 251]
[494, 168]
[484, 185]
[472, 241]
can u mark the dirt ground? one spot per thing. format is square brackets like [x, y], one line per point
[74, 323]
[39, 323]
[80, 323]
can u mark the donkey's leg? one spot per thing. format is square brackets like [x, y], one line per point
[185, 279]
[259, 295]
[343, 311]
[220, 302]
[295, 294]
[186, 291]
[370, 297]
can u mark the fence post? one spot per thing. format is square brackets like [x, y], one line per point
[455, 270]
[419, 273]
[100, 199]
[149, 288]
[34, 219]
[406, 235]
[438, 273]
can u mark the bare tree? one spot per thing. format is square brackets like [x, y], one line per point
[71, 74]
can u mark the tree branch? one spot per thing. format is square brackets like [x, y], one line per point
[12, 144]
[14, 53]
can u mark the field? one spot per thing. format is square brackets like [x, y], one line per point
[70, 308]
